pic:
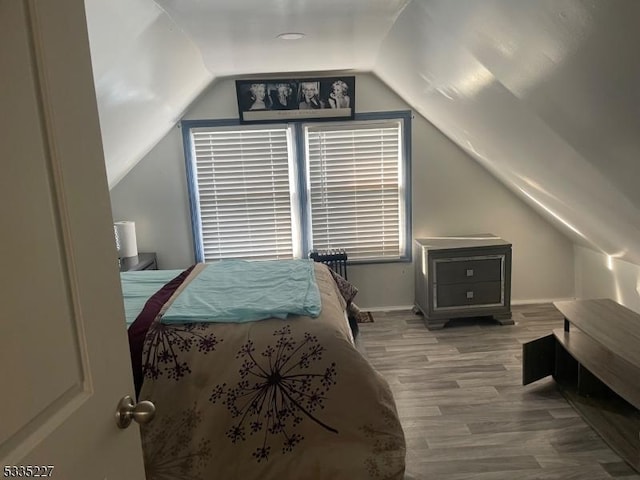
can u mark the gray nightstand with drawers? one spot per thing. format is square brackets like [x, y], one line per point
[464, 276]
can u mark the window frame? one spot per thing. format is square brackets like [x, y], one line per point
[298, 144]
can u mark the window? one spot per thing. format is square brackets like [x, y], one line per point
[280, 191]
[356, 189]
[243, 191]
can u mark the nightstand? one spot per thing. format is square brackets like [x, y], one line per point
[142, 261]
[463, 276]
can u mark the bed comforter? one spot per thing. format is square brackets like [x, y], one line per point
[285, 399]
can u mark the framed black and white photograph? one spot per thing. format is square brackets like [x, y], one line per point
[322, 98]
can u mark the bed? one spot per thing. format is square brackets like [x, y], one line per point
[284, 396]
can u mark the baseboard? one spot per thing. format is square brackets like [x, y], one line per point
[395, 308]
[540, 300]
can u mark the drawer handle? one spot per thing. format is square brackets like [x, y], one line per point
[469, 272]
[470, 294]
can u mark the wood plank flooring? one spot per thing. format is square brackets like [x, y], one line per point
[464, 410]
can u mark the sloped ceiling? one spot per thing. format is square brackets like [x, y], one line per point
[543, 93]
[146, 73]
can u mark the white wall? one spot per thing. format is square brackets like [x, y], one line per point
[452, 195]
[154, 195]
[601, 276]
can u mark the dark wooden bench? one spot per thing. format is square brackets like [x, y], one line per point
[595, 360]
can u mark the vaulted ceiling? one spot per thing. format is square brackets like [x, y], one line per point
[543, 93]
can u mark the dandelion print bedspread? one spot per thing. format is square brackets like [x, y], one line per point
[272, 399]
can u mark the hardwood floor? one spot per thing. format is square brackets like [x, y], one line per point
[464, 410]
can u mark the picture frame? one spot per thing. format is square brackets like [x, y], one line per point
[288, 99]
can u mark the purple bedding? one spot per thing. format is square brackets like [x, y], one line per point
[138, 329]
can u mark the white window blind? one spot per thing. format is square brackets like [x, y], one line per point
[244, 193]
[356, 196]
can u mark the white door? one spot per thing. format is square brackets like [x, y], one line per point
[64, 360]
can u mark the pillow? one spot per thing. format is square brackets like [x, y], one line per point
[138, 329]
[347, 289]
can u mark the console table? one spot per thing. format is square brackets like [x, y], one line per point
[595, 359]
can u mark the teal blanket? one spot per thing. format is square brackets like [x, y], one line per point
[138, 286]
[244, 291]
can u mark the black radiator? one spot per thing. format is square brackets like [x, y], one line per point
[336, 259]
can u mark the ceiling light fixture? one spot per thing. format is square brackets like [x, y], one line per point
[291, 36]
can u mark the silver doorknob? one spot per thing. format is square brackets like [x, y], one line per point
[142, 412]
